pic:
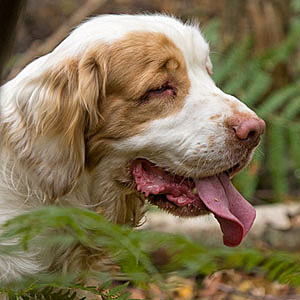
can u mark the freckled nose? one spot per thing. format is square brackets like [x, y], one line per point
[248, 130]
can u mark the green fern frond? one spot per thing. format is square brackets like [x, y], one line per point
[282, 52]
[237, 82]
[292, 109]
[232, 61]
[187, 256]
[247, 180]
[277, 159]
[277, 99]
[260, 83]
[49, 293]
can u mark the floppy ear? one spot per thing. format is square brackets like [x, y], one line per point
[54, 112]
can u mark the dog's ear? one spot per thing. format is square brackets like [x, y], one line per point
[54, 111]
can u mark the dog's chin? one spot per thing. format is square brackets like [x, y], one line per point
[171, 192]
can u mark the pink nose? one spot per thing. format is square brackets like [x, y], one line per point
[248, 129]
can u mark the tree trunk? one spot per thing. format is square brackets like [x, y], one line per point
[9, 13]
[267, 20]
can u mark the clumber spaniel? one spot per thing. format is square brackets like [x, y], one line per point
[123, 110]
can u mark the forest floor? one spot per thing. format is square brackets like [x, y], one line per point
[222, 285]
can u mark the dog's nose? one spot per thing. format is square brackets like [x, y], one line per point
[248, 129]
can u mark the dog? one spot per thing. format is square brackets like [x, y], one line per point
[124, 110]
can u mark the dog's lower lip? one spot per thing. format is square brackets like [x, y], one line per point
[189, 210]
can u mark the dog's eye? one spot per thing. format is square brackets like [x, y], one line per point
[164, 90]
[161, 89]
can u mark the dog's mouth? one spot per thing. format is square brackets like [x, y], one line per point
[187, 197]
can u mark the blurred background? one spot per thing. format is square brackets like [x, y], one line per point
[255, 49]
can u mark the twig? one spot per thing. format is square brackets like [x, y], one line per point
[45, 46]
[230, 290]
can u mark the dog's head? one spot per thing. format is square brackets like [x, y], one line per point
[128, 103]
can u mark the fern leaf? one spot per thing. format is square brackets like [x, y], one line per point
[232, 60]
[282, 52]
[278, 99]
[241, 76]
[236, 82]
[292, 109]
[259, 85]
[277, 159]
[246, 181]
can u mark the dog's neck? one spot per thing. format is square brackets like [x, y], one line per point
[117, 203]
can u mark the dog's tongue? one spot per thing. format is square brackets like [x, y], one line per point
[233, 212]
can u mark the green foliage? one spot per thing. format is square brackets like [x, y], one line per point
[130, 249]
[71, 226]
[250, 77]
[57, 292]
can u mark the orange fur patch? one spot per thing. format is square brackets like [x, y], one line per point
[136, 64]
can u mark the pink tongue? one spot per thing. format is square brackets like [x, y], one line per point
[234, 213]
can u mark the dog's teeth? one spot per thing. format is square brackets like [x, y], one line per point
[181, 201]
